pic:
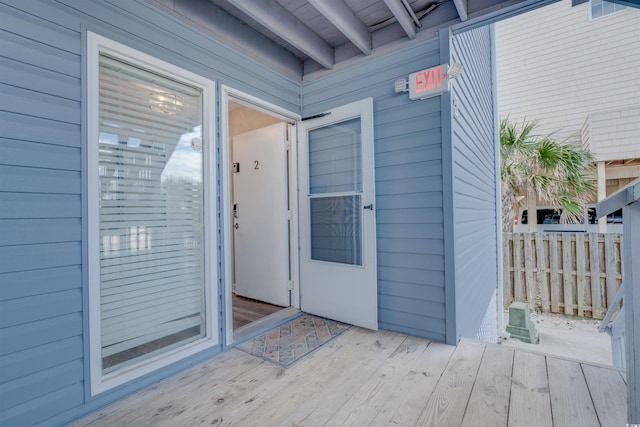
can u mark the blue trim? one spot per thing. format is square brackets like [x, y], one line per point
[446, 112]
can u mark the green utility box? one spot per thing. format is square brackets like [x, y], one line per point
[520, 326]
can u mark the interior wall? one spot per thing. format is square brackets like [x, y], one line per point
[244, 119]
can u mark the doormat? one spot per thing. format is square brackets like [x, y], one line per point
[290, 342]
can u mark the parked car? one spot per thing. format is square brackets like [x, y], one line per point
[548, 219]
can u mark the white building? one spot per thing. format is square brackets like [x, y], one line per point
[575, 67]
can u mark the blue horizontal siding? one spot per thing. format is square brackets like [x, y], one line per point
[45, 106]
[410, 260]
[418, 291]
[18, 205]
[41, 80]
[42, 409]
[390, 215]
[411, 231]
[33, 231]
[39, 29]
[409, 185]
[406, 141]
[416, 244]
[38, 155]
[36, 282]
[24, 310]
[33, 257]
[420, 154]
[420, 325]
[34, 334]
[474, 181]
[411, 200]
[30, 361]
[32, 129]
[36, 180]
[409, 169]
[415, 275]
[29, 387]
[29, 51]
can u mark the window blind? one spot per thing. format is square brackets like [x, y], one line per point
[151, 213]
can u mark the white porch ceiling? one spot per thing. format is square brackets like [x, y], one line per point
[303, 38]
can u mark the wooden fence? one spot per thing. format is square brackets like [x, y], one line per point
[570, 273]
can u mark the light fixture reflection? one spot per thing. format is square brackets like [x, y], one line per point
[165, 102]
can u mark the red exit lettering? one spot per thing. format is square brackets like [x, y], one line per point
[429, 79]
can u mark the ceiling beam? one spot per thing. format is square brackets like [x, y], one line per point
[461, 7]
[343, 18]
[281, 22]
[402, 15]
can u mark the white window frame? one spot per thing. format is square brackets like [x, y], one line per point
[591, 18]
[100, 382]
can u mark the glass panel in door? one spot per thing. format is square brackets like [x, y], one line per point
[335, 192]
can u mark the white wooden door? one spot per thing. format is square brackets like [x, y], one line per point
[338, 277]
[260, 207]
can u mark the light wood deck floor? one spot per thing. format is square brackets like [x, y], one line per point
[381, 378]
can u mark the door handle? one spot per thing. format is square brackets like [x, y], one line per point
[370, 207]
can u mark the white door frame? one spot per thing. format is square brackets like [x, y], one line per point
[229, 94]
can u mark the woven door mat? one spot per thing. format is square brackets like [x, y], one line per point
[288, 343]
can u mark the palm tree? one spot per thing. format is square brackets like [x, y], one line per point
[560, 174]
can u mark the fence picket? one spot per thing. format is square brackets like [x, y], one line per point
[596, 289]
[567, 268]
[581, 274]
[507, 272]
[554, 272]
[529, 267]
[541, 263]
[610, 271]
[518, 273]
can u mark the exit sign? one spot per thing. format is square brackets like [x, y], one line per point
[428, 83]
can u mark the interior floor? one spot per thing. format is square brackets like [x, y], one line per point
[246, 310]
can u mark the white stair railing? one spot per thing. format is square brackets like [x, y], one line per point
[615, 329]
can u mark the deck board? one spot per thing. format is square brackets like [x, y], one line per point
[608, 395]
[446, 406]
[489, 398]
[380, 378]
[363, 405]
[404, 407]
[530, 401]
[571, 404]
[303, 380]
[331, 393]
